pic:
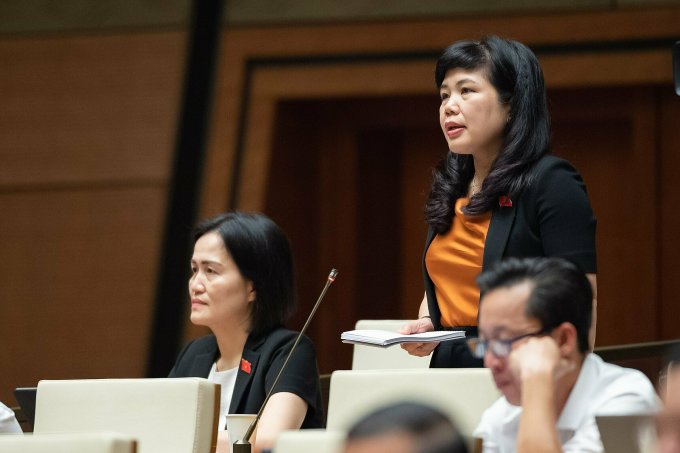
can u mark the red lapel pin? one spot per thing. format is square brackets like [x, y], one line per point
[245, 366]
[504, 200]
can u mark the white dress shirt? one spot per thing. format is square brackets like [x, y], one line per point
[227, 381]
[8, 422]
[601, 389]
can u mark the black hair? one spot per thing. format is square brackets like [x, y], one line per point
[432, 430]
[560, 291]
[262, 254]
[514, 71]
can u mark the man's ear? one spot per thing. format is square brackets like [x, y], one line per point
[567, 339]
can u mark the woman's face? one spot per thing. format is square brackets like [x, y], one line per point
[470, 114]
[220, 296]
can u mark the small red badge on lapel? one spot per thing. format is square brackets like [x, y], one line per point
[504, 200]
[245, 365]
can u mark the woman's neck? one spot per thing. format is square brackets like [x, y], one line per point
[231, 344]
[482, 166]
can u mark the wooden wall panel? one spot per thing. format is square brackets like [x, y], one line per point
[606, 69]
[610, 136]
[88, 108]
[76, 283]
[335, 187]
[422, 149]
[379, 189]
[336, 234]
[243, 46]
[668, 186]
[87, 127]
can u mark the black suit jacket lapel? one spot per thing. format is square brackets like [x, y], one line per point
[502, 220]
[201, 364]
[246, 370]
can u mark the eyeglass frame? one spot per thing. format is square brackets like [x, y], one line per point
[474, 343]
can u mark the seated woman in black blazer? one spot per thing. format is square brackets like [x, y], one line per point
[242, 287]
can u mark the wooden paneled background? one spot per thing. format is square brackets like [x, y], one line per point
[87, 124]
[335, 131]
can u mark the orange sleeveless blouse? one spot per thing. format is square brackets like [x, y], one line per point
[453, 261]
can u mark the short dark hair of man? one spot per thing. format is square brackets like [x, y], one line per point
[560, 291]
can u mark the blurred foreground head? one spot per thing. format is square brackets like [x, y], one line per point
[404, 428]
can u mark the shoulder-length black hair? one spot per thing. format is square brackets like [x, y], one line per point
[514, 71]
[262, 254]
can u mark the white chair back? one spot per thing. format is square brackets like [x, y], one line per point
[310, 441]
[165, 415]
[372, 358]
[101, 442]
[461, 393]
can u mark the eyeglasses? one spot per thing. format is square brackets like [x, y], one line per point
[499, 348]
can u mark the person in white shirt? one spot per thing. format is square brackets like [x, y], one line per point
[8, 422]
[534, 318]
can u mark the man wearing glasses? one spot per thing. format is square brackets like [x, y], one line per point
[534, 318]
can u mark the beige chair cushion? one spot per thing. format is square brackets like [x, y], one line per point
[372, 358]
[101, 442]
[165, 415]
[461, 393]
[310, 441]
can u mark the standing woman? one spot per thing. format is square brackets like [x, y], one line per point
[498, 192]
[242, 288]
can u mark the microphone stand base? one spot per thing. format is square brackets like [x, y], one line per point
[241, 446]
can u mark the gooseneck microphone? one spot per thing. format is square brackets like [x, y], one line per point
[243, 445]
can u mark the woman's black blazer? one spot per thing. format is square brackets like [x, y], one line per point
[552, 217]
[262, 359]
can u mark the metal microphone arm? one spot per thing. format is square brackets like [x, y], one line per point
[243, 445]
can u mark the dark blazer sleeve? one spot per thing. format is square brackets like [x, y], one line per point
[301, 376]
[554, 217]
[262, 359]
